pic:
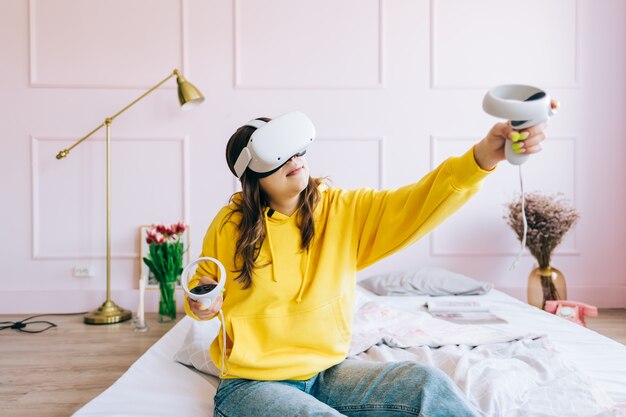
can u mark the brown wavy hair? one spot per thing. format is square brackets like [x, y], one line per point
[252, 201]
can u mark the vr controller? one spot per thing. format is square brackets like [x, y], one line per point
[273, 143]
[524, 106]
[207, 293]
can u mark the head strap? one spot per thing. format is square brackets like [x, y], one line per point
[255, 123]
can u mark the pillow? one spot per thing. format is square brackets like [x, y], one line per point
[195, 349]
[425, 281]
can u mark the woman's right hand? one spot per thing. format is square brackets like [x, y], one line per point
[199, 310]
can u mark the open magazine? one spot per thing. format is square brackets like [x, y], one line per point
[463, 312]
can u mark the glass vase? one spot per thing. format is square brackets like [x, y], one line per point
[546, 284]
[167, 302]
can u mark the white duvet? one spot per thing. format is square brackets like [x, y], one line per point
[501, 371]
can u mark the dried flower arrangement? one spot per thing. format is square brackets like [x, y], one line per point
[549, 218]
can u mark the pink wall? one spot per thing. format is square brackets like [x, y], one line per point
[393, 88]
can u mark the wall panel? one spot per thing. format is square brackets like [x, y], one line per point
[148, 175]
[308, 44]
[112, 44]
[480, 228]
[487, 42]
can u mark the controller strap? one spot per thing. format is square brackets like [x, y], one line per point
[224, 365]
[524, 221]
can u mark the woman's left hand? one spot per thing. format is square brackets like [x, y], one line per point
[489, 151]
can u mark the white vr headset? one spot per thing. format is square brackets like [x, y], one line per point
[274, 143]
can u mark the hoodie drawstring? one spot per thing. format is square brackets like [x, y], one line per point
[273, 260]
[269, 242]
[304, 277]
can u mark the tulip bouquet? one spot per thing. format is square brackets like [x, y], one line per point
[165, 261]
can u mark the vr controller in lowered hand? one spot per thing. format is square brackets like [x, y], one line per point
[524, 106]
[206, 293]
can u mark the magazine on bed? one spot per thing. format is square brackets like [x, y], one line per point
[463, 312]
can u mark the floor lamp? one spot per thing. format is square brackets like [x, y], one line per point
[189, 96]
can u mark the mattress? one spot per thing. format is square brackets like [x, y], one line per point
[157, 385]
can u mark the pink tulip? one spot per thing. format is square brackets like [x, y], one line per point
[179, 228]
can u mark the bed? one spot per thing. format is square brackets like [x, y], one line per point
[535, 364]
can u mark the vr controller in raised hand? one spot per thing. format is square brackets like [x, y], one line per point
[524, 106]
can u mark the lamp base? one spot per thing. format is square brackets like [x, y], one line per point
[108, 313]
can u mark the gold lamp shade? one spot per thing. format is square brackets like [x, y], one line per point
[188, 95]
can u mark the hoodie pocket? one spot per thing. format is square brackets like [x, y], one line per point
[290, 340]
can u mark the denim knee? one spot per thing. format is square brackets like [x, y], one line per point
[360, 388]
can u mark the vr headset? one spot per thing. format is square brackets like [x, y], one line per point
[274, 143]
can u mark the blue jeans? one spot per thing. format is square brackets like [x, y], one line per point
[351, 388]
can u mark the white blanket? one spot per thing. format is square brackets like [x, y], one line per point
[376, 323]
[502, 372]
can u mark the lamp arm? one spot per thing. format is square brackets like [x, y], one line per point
[173, 74]
[108, 120]
[62, 154]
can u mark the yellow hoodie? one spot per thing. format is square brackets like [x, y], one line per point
[296, 318]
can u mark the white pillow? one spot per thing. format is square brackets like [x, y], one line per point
[425, 281]
[195, 349]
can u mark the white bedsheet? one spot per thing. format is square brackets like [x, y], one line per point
[156, 385]
[502, 370]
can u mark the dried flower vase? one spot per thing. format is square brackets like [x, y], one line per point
[546, 284]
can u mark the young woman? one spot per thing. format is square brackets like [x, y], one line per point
[291, 247]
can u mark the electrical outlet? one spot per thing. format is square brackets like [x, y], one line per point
[84, 271]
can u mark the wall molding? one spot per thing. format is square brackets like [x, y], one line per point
[73, 300]
[601, 296]
[239, 85]
[33, 83]
[436, 85]
[35, 189]
[436, 251]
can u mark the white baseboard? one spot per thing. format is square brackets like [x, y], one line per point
[602, 297]
[26, 302]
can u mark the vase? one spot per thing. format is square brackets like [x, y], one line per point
[546, 284]
[167, 302]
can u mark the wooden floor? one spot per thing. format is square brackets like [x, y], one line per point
[611, 323]
[54, 373]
